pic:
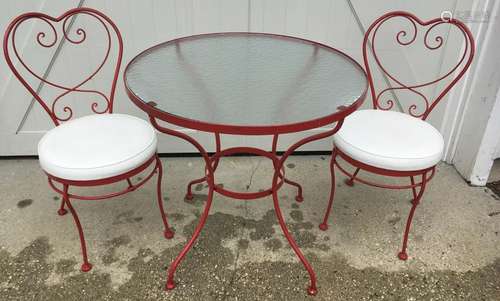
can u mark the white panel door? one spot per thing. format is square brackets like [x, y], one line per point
[14, 98]
[142, 24]
[338, 23]
[146, 23]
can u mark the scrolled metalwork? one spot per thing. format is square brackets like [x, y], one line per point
[432, 40]
[41, 35]
[51, 37]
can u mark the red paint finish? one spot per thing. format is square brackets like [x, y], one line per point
[405, 38]
[149, 106]
[278, 180]
[421, 110]
[333, 120]
[48, 38]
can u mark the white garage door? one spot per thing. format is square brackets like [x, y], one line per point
[338, 23]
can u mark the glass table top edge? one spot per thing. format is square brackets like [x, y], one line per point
[255, 129]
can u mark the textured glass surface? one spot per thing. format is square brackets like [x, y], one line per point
[245, 79]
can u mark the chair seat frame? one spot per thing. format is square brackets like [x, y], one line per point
[417, 188]
[67, 196]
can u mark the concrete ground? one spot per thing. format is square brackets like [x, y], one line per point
[242, 254]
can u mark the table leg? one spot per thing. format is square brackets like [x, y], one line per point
[278, 179]
[299, 197]
[189, 193]
[278, 164]
[173, 267]
[324, 225]
[312, 290]
[215, 162]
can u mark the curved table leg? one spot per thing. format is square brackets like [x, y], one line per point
[211, 165]
[189, 192]
[299, 197]
[312, 290]
[324, 225]
[173, 267]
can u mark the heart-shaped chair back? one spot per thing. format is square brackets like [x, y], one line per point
[51, 34]
[409, 35]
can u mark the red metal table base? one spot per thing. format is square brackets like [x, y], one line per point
[425, 174]
[211, 163]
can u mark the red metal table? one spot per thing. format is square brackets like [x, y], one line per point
[245, 84]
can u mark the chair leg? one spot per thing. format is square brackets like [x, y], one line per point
[413, 189]
[350, 181]
[403, 255]
[62, 211]
[168, 233]
[299, 198]
[86, 266]
[324, 225]
[173, 267]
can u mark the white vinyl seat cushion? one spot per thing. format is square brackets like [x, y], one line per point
[96, 147]
[390, 140]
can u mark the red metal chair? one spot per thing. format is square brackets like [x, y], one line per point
[94, 150]
[394, 144]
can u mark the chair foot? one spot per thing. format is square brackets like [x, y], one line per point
[62, 211]
[349, 182]
[402, 255]
[299, 198]
[189, 197]
[323, 226]
[170, 285]
[169, 234]
[86, 267]
[312, 291]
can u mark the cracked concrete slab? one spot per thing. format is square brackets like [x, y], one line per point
[242, 254]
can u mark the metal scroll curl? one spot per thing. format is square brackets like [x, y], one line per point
[49, 37]
[415, 31]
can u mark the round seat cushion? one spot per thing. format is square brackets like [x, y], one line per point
[96, 147]
[390, 140]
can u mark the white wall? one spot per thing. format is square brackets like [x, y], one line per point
[478, 132]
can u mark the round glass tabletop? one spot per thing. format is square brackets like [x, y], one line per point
[248, 83]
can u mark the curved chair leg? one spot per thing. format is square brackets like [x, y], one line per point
[299, 198]
[312, 290]
[86, 266]
[413, 190]
[402, 254]
[324, 225]
[168, 233]
[62, 211]
[350, 181]
[173, 267]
